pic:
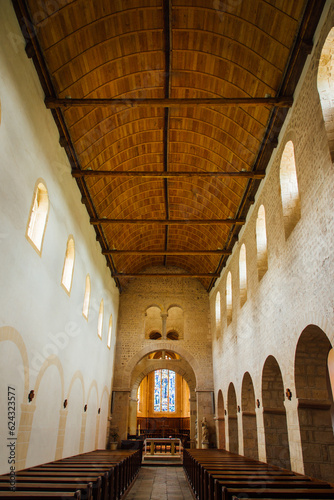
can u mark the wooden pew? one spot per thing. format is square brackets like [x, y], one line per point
[20, 487]
[41, 495]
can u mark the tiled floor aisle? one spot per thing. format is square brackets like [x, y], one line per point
[160, 483]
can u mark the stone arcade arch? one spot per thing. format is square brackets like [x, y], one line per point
[249, 418]
[220, 419]
[315, 402]
[274, 415]
[232, 419]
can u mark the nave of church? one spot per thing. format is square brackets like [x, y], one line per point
[167, 230]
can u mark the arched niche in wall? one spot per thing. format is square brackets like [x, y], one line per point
[274, 415]
[90, 443]
[315, 402]
[45, 424]
[261, 243]
[12, 373]
[232, 420]
[221, 420]
[153, 321]
[75, 404]
[289, 189]
[249, 418]
[102, 441]
[175, 322]
[325, 83]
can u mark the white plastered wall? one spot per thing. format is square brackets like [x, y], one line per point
[46, 344]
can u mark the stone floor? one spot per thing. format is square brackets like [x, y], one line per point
[160, 483]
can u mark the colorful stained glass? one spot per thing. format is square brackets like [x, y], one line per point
[164, 390]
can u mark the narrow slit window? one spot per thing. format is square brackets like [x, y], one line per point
[218, 311]
[100, 320]
[325, 83]
[109, 332]
[261, 243]
[243, 275]
[38, 217]
[289, 189]
[229, 298]
[67, 276]
[85, 308]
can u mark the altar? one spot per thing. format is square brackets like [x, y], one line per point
[162, 445]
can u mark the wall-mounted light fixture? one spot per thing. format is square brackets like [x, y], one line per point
[31, 395]
[65, 403]
[258, 403]
[85, 408]
[99, 411]
[238, 409]
[288, 394]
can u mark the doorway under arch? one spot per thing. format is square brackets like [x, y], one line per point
[249, 418]
[232, 419]
[315, 403]
[274, 415]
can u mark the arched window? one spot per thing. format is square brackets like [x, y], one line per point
[164, 391]
[38, 217]
[218, 316]
[261, 242]
[67, 275]
[325, 83]
[242, 275]
[109, 332]
[173, 335]
[289, 189]
[100, 320]
[85, 308]
[155, 335]
[229, 298]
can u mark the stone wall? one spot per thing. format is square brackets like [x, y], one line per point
[297, 288]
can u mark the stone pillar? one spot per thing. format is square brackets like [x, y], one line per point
[193, 414]
[133, 416]
[61, 434]
[261, 436]
[220, 432]
[204, 409]
[295, 444]
[164, 325]
[23, 435]
[120, 413]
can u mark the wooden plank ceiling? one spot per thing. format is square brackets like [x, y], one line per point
[169, 170]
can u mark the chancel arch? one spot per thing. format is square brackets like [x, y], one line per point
[315, 402]
[274, 415]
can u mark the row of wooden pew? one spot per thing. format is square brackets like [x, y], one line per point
[221, 475]
[97, 475]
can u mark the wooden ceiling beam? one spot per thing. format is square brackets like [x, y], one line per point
[166, 252]
[279, 102]
[164, 175]
[167, 275]
[208, 222]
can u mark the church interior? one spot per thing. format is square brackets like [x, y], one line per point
[167, 228]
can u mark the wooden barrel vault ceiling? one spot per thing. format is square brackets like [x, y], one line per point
[169, 111]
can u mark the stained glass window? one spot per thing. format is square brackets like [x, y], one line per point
[164, 390]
